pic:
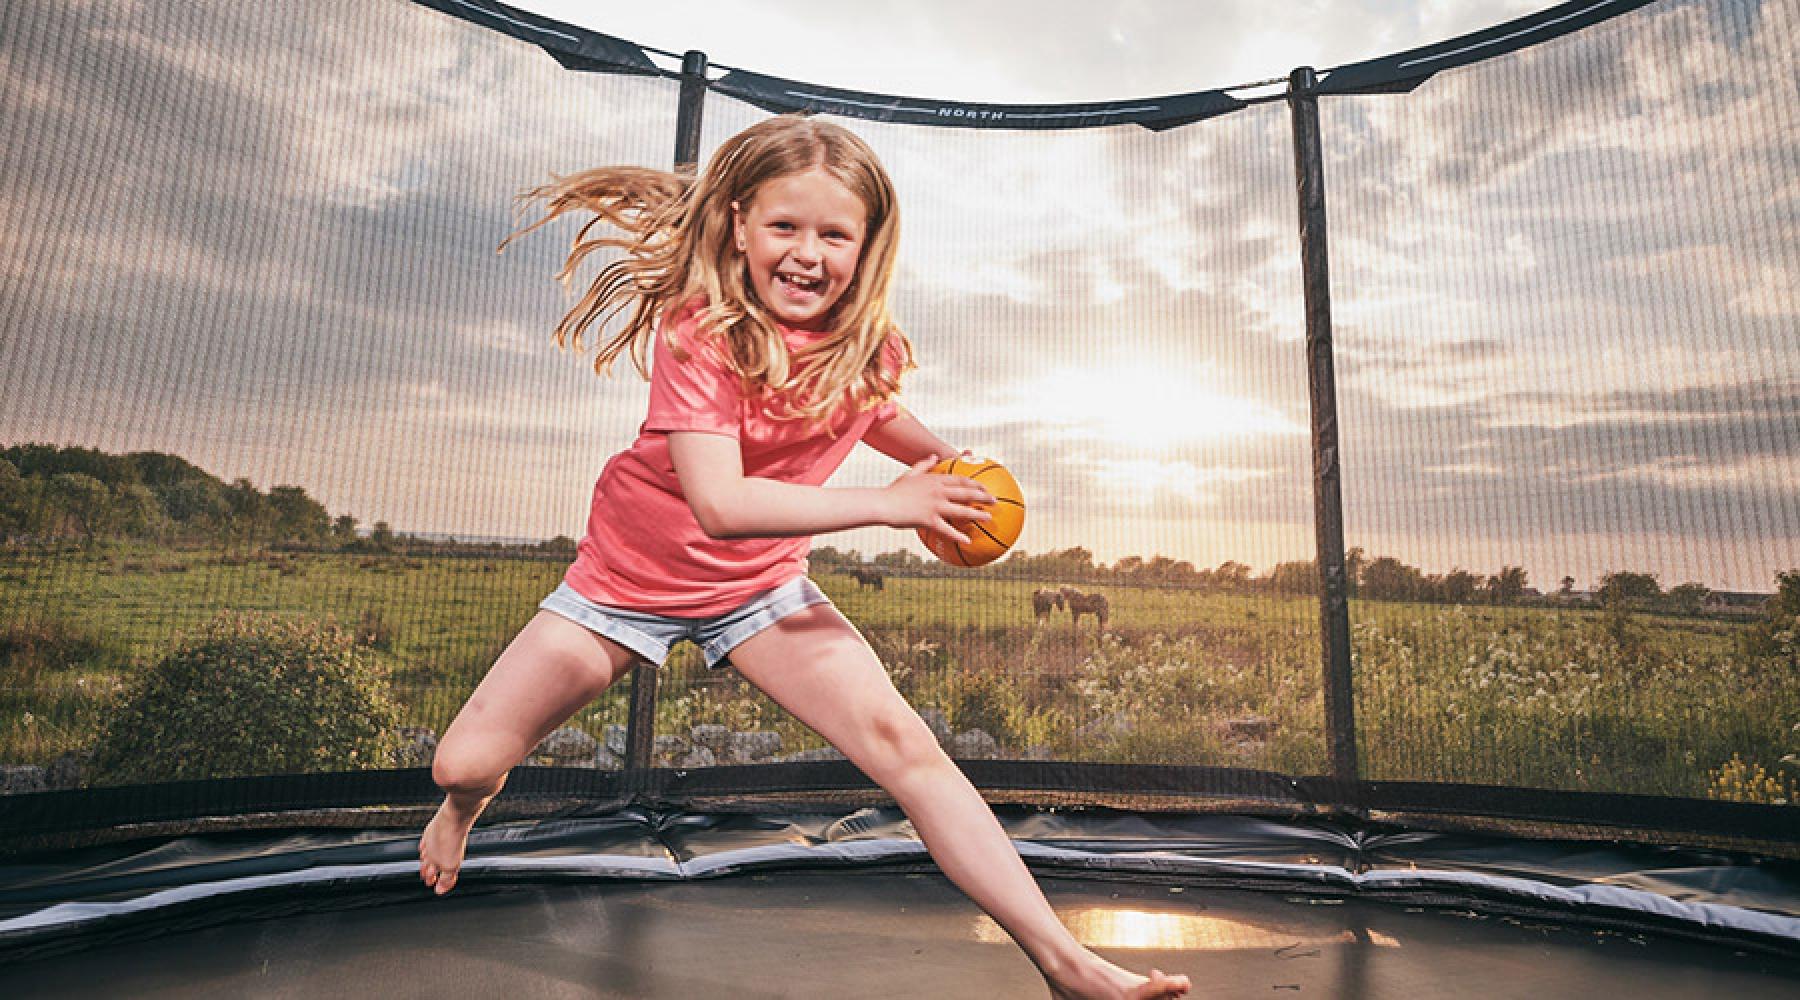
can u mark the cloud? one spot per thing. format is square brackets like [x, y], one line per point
[1562, 281]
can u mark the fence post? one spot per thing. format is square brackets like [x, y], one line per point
[640, 728]
[1328, 503]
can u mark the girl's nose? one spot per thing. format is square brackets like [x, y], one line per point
[806, 249]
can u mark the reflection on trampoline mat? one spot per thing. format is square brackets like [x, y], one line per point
[800, 935]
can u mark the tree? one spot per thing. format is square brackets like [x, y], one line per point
[1508, 585]
[1625, 589]
[15, 501]
[382, 537]
[897, 559]
[196, 505]
[1298, 577]
[1787, 593]
[1688, 597]
[1458, 587]
[1354, 561]
[251, 517]
[83, 501]
[1568, 586]
[343, 530]
[296, 517]
[1232, 575]
[136, 512]
[1389, 579]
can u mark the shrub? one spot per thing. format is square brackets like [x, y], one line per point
[251, 694]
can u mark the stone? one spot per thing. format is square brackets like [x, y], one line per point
[712, 736]
[938, 722]
[606, 760]
[20, 779]
[567, 744]
[418, 747]
[974, 744]
[66, 769]
[817, 753]
[696, 757]
[753, 747]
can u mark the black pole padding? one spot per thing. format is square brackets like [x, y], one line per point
[1328, 501]
[687, 121]
[640, 726]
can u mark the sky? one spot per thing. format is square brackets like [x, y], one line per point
[1563, 283]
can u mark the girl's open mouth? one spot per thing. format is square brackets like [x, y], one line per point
[800, 287]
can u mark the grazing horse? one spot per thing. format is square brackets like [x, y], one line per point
[1086, 604]
[1044, 601]
[866, 576]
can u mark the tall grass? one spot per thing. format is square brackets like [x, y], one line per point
[1529, 697]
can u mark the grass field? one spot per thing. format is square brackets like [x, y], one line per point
[1533, 697]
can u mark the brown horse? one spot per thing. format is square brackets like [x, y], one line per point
[867, 576]
[1086, 604]
[1044, 601]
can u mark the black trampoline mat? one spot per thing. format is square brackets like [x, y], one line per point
[798, 935]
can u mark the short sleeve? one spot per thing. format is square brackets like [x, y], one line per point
[695, 393]
[892, 357]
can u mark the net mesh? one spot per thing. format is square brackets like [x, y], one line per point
[271, 408]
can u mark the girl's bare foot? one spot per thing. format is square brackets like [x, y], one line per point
[441, 846]
[1102, 980]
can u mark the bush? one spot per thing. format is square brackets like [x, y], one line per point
[252, 694]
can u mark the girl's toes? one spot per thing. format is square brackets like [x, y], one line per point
[446, 882]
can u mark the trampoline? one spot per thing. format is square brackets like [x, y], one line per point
[1344, 777]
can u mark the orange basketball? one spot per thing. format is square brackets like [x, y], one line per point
[988, 540]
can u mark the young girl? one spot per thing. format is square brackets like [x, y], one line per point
[761, 290]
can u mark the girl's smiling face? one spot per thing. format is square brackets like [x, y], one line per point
[802, 236]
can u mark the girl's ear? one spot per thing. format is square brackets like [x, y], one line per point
[737, 226]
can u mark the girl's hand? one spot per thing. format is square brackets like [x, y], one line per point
[930, 502]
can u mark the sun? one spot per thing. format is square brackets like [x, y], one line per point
[1154, 409]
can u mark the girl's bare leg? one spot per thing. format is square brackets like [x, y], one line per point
[549, 670]
[816, 665]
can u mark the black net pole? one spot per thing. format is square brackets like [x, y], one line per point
[640, 728]
[1328, 502]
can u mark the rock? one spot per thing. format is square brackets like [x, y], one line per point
[606, 760]
[754, 747]
[418, 747]
[817, 753]
[20, 779]
[696, 757]
[712, 736]
[1105, 729]
[66, 769]
[615, 739]
[567, 745]
[974, 744]
[939, 723]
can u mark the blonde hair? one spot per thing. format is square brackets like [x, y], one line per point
[679, 248]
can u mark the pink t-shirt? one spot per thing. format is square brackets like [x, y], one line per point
[643, 549]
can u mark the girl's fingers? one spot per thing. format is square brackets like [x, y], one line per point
[924, 465]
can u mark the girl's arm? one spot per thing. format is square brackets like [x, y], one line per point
[905, 440]
[729, 504]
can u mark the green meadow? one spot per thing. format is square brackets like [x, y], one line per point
[1536, 697]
